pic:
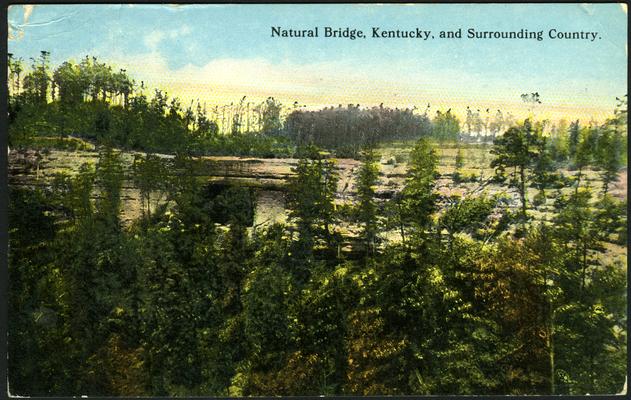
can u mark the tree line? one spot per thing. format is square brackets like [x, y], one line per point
[91, 100]
[348, 129]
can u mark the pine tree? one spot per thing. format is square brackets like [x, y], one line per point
[584, 153]
[609, 155]
[311, 196]
[418, 197]
[515, 149]
[366, 180]
[573, 138]
[543, 171]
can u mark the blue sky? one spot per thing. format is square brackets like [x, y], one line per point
[221, 52]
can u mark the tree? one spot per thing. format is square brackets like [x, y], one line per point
[582, 237]
[516, 149]
[149, 173]
[367, 178]
[349, 129]
[466, 215]
[311, 199]
[204, 128]
[35, 340]
[609, 155]
[559, 142]
[70, 84]
[418, 200]
[543, 170]
[589, 318]
[573, 139]
[109, 179]
[37, 81]
[532, 99]
[270, 116]
[507, 294]
[545, 259]
[15, 69]
[445, 126]
[497, 124]
[268, 338]
[584, 153]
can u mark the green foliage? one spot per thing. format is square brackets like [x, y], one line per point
[609, 153]
[176, 306]
[544, 171]
[311, 199]
[271, 116]
[559, 142]
[468, 215]
[91, 101]
[445, 126]
[189, 301]
[349, 129]
[573, 138]
[366, 181]
[109, 181]
[148, 173]
[516, 150]
[459, 164]
[233, 205]
[418, 200]
[584, 151]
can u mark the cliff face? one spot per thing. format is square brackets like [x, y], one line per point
[268, 177]
[32, 166]
[38, 168]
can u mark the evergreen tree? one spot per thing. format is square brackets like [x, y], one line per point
[609, 155]
[573, 139]
[543, 171]
[418, 197]
[311, 200]
[583, 155]
[149, 173]
[515, 149]
[445, 126]
[367, 178]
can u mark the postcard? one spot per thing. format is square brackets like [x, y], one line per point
[317, 199]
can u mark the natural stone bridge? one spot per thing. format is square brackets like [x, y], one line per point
[267, 177]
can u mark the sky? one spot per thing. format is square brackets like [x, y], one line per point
[220, 53]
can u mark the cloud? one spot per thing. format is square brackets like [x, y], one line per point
[253, 73]
[153, 39]
[317, 85]
[183, 31]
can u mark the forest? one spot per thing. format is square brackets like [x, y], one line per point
[516, 291]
